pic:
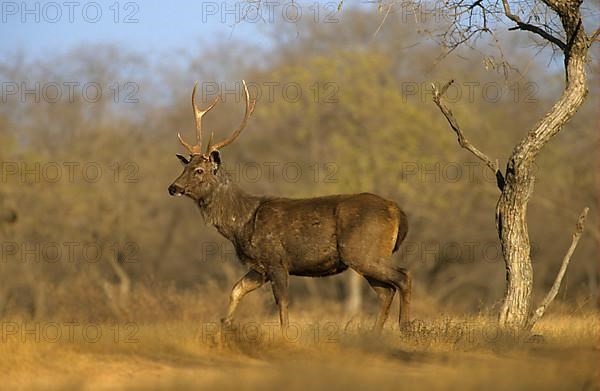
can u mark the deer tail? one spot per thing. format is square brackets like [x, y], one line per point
[402, 229]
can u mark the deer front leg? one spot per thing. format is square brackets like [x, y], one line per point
[251, 281]
[279, 281]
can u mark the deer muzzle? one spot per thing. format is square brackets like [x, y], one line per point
[175, 190]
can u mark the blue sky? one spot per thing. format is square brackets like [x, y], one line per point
[149, 26]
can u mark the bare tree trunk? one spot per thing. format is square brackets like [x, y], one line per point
[514, 239]
[118, 294]
[511, 212]
[354, 299]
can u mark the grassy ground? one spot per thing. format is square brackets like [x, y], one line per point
[315, 353]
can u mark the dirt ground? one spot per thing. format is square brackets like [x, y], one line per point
[444, 353]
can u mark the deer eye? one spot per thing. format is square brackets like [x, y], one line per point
[198, 171]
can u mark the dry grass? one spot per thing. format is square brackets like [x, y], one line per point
[442, 353]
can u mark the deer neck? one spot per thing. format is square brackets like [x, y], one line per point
[229, 208]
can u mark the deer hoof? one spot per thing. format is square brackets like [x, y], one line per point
[226, 323]
[406, 326]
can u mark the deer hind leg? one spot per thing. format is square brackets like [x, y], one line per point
[405, 286]
[251, 281]
[383, 271]
[386, 293]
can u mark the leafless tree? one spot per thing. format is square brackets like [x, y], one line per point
[559, 24]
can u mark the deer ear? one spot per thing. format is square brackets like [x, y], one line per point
[215, 157]
[183, 159]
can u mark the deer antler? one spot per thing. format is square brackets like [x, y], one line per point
[198, 114]
[250, 104]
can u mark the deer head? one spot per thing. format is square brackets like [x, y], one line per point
[200, 174]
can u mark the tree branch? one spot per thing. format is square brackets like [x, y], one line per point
[532, 28]
[387, 13]
[462, 141]
[594, 36]
[539, 312]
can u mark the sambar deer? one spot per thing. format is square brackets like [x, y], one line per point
[277, 237]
